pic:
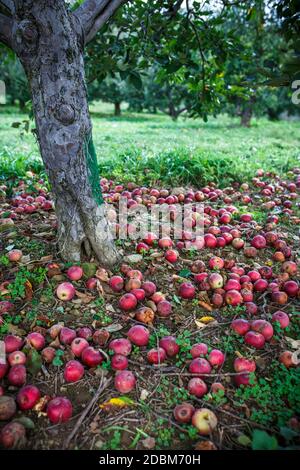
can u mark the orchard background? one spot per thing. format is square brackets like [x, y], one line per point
[150, 343]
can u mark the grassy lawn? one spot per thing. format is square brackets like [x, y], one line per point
[126, 144]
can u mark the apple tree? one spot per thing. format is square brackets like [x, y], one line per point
[52, 39]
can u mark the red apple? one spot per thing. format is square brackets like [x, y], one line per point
[197, 387]
[215, 281]
[216, 386]
[164, 308]
[59, 410]
[282, 318]
[216, 358]
[242, 379]
[149, 288]
[156, 356]
[255, 339]
[216, 262]
[27, 397]
[91, 357]
[119, 362]
[116, 283]
[232, 284]
[238, 243]
[125, 381]
[36, 340]
[13, 435]
[251, 308]
[263, 327]
[75, 273]
[158, 297]
[91, 283]
[240, 326]
[250, 252]
[16, 357]
[139, 335]
[84, 332]
[279, 297]
[65, 291]
[289, 267]
[17, 375]
[210, 240]
[259, 242]
[286, 358]
[233, 297]
[291, 288]
[260, 285]
[134, 274]
[187, 290]
[7, 408]
[200, 366]
[165, 242]
[132, 284]
[169, 344]
[139, 294]
[48, 354]
[242, 364]
[183, 413]
[73, 372]
[199, 349]
[171, 256]
[127, 302]
[12, 343]
[67, 335]
[120, 346]
[14, 255]
[217, 300]
[78, 345]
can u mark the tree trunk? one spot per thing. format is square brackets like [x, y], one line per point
[172, 112]
[48, 40]
[117, 109]
[21, 105]
[246, 116]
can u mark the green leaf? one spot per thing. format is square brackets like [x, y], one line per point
[184, 273]
[261, 440]
[27, 422]
[34, 361]
[244, 440]
[89, 269]
[288, 433]
[135, 80]
[176, 299]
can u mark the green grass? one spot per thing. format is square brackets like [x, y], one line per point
[148, 147]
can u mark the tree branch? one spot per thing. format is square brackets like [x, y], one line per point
[6, 25]
[93, 14]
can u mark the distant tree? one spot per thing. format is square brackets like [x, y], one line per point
[109, 90]
[17, 88]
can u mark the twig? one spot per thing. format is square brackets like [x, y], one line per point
[103, 385]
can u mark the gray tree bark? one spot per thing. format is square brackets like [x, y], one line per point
[49, 41]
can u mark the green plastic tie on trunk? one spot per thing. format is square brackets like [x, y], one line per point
[93, 172]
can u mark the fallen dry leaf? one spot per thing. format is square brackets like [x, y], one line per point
[102, 275]
[85, 298]
[205, 305]
[120, 402]
[148, 443]
[28, 290]
[206, 319]
[205, 445]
